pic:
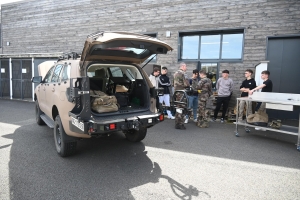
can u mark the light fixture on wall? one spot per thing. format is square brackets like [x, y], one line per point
[7, 43]
[168, 33]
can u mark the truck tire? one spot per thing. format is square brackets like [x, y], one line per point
[38, 113]
[136, 135]
[65, 145]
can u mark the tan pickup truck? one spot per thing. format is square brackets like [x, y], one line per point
[67, 96]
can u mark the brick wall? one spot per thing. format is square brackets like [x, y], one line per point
[42, 26]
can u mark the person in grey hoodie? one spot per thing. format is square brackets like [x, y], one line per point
[224, 87]
[154, 80]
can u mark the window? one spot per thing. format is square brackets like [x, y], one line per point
[48, 75]
[190, 47]
[66, 73]
[56, 73]
[116, 72]
[212, 45]
[232, 46]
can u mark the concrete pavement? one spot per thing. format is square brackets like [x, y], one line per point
[169, 164]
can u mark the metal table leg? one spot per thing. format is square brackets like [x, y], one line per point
[247, 107]
[298, 143]
[237, 115]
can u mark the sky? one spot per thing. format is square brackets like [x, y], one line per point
[8, 1]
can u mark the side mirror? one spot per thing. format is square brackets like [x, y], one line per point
[36, 79]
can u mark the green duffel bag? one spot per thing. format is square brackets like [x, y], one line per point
[101, 102]
[258, 119]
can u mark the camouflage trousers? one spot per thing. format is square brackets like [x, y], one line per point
[179, 116]
[202, 120]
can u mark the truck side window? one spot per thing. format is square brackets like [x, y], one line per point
[48, 75]
[66, 73]
[56, 72]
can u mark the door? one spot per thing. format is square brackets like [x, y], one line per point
[42, 89]
[50, 89]
[284, 67]
[4, 78]
[16, 79]
[212, 72]
[26, 66]
[21, 79]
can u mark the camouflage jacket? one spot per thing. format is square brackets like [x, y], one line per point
[180, 81]
[194, 84]
[206, 88]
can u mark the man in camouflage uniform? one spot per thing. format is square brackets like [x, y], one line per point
[204, 90]
[180, 82]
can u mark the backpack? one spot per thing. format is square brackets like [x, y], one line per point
[101, 102]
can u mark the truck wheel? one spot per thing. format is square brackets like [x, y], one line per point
[65, 145]
[38, 113]
[136, 135]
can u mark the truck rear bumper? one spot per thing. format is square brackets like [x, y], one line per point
[95, 128]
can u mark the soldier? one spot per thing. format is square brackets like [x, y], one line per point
[204, 90]
[180, 82]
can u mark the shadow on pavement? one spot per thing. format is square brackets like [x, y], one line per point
[104, 168]
[219, 140]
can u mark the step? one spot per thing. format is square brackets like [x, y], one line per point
[47, 120]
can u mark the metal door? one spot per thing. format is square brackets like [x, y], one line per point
[284, 66]
[4, 78]
[21, 79]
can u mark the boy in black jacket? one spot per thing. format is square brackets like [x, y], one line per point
[164, 82]
[246, 86]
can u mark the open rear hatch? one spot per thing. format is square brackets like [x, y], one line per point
[122, 46]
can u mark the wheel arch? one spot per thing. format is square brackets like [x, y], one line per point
[54, 112]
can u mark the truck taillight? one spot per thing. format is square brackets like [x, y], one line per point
[112, 126]
[161, 117]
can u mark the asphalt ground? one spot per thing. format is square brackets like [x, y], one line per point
[195, 163]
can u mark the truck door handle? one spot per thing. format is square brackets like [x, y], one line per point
[53, 89]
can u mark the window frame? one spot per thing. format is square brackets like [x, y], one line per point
[200, 33]
[50, 72]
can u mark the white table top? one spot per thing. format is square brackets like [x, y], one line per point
[278, 98]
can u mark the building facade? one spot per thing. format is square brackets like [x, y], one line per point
[212, 35]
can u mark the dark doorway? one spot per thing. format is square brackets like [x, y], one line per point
[21, 79]
[284, 66]
[4, 78]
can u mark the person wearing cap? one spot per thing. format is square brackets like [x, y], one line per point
[225, 87]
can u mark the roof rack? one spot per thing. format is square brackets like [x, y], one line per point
[95, 35]
[68, 56]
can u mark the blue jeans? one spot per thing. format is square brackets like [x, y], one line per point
[193, 104]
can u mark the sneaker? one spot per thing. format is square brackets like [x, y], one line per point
[186, 121]
[213, 119]
[260, 129]
[171, 117]
[222, 120]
